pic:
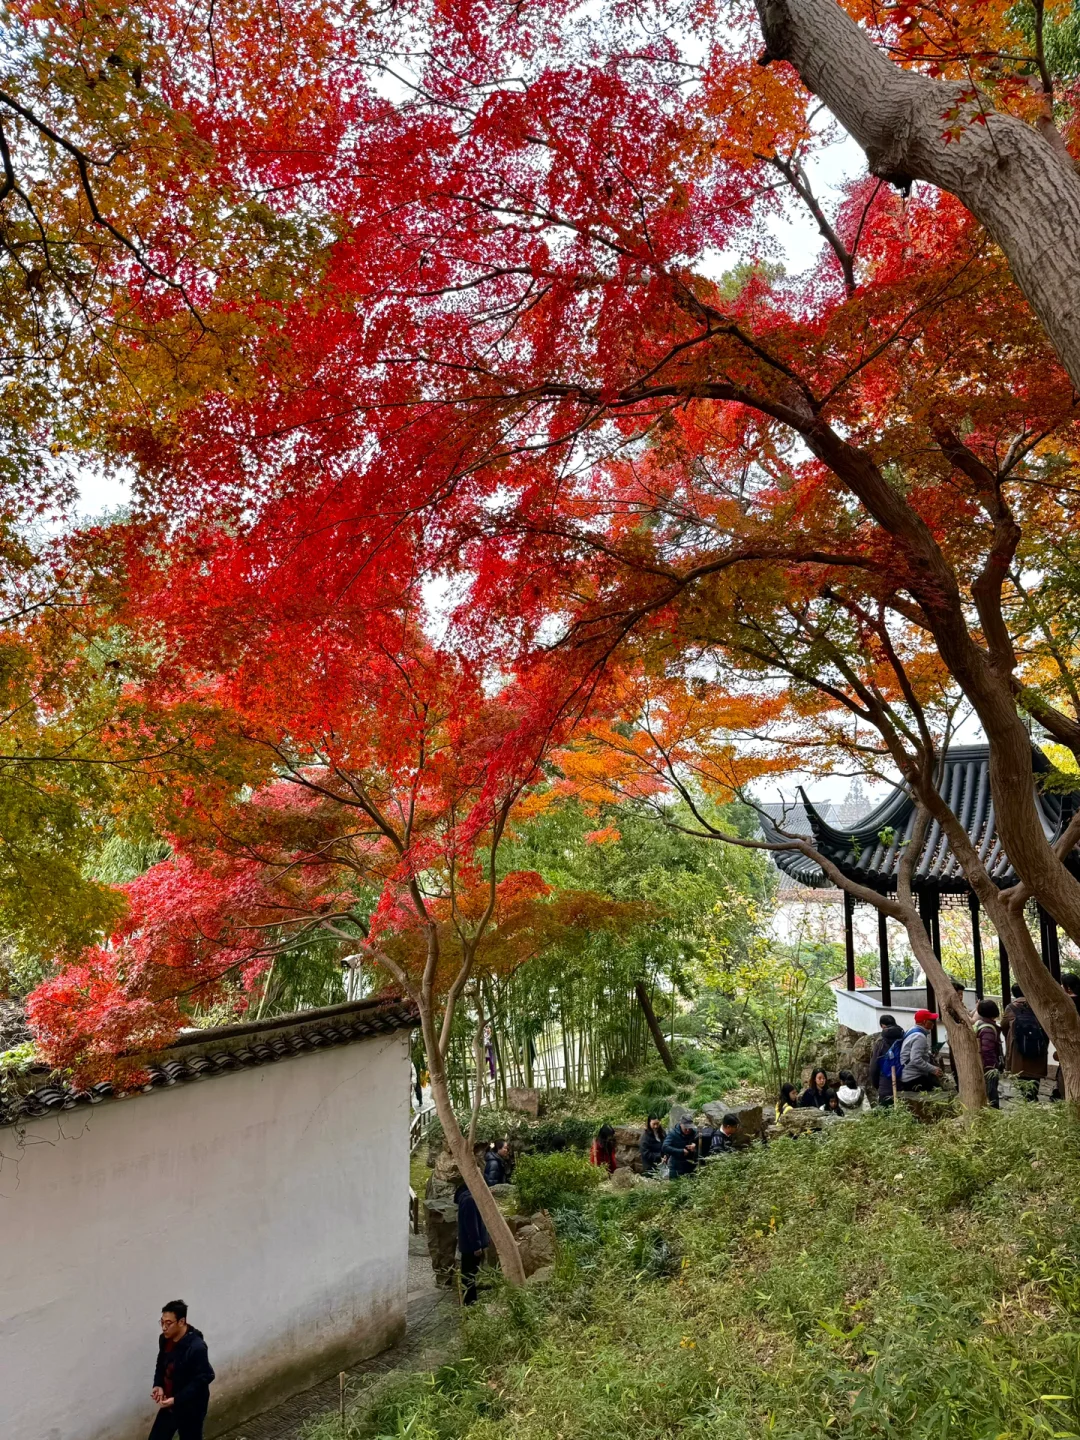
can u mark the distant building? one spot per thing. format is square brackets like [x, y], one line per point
[262, 1176]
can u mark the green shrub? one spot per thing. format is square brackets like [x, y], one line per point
[549, 1182]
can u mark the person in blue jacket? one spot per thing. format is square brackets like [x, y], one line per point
[182, 1377]
[473, 1240]
[680, 1146]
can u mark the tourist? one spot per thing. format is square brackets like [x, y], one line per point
[918, 1071]
[832, 1106]
[1070, 983]
[497, 1163]
[473, 1240]
[1026, 1045]
[885, 1066]
[680, 1146]
[603, 1149]
[724, 1138]
[789, 1099]
[182, 1377]
[651, 1146]
[988, 1035]
[850, 1093]
[813, 1097]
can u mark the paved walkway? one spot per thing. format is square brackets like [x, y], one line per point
[429, 1338]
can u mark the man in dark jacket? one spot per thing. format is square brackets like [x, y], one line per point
[724, 1138]
[182, 1377]
[473, 1240]
[680, 1147]
[879, 1079]
[497, 1163]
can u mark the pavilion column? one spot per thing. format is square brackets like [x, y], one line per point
[1048, 943]
[1003, 961]
[976, 943]
[883, 953]
[930, 912]
[849, 938]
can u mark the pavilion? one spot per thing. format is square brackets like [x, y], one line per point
[869, 852]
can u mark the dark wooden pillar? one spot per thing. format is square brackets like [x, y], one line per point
[1048, 943]
[976, 943]
[883, 952]
[849, 939]
[1003, 961]
[930, 911]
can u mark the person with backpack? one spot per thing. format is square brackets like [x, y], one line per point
[885, 1064]
[1027, 1045]
[989, 1037]
[917, 1068]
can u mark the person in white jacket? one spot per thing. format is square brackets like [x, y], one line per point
[851, 1094]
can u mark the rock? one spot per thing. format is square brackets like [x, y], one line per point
[751, 1124]
[536, 1242]
[528, 1102]
[622, 1179]
[440, 1188]
[541, 1276]
[503, 1192]
[677, 1113]
[627, 1147]
[714, 1112]
[929, 1106]
[446, 1168]
[796, 1122]
[440, 1225]
[853, 1050]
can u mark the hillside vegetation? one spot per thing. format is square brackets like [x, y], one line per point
[886, 1279]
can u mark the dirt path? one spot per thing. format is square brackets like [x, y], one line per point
[429, 1339]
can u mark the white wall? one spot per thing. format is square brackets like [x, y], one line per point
[273, 1200]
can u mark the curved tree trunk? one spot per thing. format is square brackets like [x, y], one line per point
[493, 1218]
[1020, 186]
[963, 1042]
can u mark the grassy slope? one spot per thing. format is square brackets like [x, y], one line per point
[888, 1280]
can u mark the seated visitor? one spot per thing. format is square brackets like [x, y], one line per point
[680, 1146]
[603, 1149]
[789, 1098]
[886, 1065]
[988, 1034]
[651, 1146]
[813, 1097]
[832, 1105]
[850, 1093]
[918, 1071]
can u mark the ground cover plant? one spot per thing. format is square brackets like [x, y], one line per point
[888, 1279]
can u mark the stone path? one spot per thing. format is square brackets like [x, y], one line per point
[432, 1320]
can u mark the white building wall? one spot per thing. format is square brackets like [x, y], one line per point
[273, 1200]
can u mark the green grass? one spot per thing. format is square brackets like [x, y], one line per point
[884, 1280]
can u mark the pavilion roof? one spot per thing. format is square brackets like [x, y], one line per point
[869, 850]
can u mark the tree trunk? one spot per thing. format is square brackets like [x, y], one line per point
[963, 1042]
[654, 1025]
[492, 1216]
[1011, 179]
[478, 1058]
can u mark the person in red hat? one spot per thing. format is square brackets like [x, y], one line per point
[919, 1071]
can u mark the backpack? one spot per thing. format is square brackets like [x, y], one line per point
[1031, 1039]
[891, 1064]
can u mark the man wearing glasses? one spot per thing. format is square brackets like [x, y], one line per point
[182, 1377]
